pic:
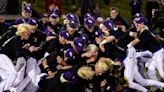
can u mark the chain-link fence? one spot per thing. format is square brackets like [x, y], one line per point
[3, 4]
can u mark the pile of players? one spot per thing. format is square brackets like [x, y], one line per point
[96, 56]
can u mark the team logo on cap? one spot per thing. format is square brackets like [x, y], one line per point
[70, 54]
[80, 44]
[28, 8]
[96, 33]
[90, 21]
[84, 38]
[72, 16]
[109, 24]
[72, 22]
[67, 34]
[33, 21]
[89, 15]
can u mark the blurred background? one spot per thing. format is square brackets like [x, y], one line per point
[12, 8]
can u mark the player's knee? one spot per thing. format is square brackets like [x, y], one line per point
[150, 72]
[145, 82]
[162, 75]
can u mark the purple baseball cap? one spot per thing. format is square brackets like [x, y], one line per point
[54, 15]
[89, 22]
[19, 21]
[64, 34]
[32, 22]
[98, 33]
[70, 54]
[70, 17]
[142, 20]
[88, 15]
[85, 38]
[70, 76]
[108, 24]
[137, 15]
[27, 9]
[73, 24]
[78, 42]
[44, 16]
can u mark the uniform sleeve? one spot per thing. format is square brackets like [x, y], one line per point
[41, 36]
[51, 58]
[37, 38]
[19, 52]
[145, 38]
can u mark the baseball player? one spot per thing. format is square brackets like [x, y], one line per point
[153, 46]
[131, 71]
[11, 30]
[11, 50]
[26, 13]
[54, 23]
[8, 76]
[72, 29]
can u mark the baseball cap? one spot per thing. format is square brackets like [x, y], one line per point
[64, 34]
[89, 22]
[73, 24]
[70, 16]
[139, 15]
[108, 24]
[70, 54]
[88, 15]
[44, 15]
[142, 20]
[19, 21]
[85, 38]
[27, 9]
[69, 76]
[32, 22]
[78, 42]
[54, 15]
[98, 33]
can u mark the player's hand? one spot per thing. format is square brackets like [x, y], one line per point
[87, 54]
[50, 75]
[117, 63]
[37, 48]
[102, 48]
[159, 38]
[59, 67]
[32, 48]
[26, 46]
[122, 27]
[103, 83]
